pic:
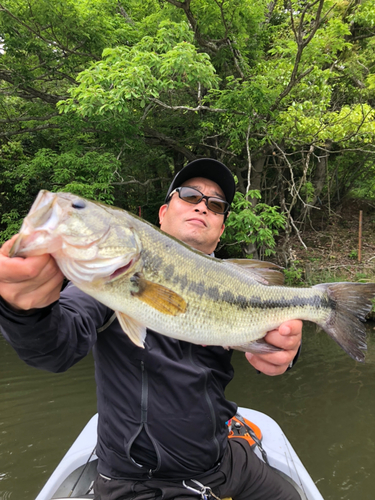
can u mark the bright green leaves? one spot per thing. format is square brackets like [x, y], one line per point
[183, 66]
[350, 123]
[129, 78]
[156, 83]
[89, 175]
[252, 225]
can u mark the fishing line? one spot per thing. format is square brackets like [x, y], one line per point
[83, 470]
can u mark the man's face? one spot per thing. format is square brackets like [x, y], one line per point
[195, 225]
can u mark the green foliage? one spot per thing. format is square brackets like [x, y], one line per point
[308, 192]
[247, 224]
[276, 90]
[128, 78]
[89, 175]
[12, 223]
[294, 274]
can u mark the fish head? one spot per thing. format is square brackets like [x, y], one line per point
[86, 238]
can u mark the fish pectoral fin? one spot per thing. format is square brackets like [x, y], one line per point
[259, 346]
[133, 329]
[261, 271]
[159, 297]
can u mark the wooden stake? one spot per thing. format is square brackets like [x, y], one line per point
[360, 237]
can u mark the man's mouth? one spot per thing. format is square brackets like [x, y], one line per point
[199, 222]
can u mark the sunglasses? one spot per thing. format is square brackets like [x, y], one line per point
[192, 195]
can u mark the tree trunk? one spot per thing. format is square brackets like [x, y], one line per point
[320, 175]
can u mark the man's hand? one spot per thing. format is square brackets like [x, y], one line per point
[29, 283]
[288, 336]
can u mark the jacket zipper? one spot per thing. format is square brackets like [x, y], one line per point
[209, 402]
[144, 409]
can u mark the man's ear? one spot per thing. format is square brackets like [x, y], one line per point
[162, 211]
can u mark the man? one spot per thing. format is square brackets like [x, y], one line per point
[162, 409]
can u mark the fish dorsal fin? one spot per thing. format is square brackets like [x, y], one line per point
[158, 296]
[133, 329]
[264, 272]
[254, 263]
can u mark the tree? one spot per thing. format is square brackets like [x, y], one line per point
[281, 92]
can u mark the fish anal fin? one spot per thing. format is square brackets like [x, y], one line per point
[159, 297]
[133, 329]
[259, 346]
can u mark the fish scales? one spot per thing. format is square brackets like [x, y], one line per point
[153, 280]
[214, 305]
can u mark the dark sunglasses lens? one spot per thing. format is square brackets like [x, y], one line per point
[194, 196]
[217, 206]
[190, 195]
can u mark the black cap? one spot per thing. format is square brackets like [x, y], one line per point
[209, 169]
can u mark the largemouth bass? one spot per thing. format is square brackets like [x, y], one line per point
[151, 280]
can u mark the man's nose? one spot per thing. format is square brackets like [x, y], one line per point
[201, 206]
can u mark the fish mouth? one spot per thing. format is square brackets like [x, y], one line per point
[120, 271]
[38, 234]
[31, 237]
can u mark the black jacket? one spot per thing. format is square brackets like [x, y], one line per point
[162, 409]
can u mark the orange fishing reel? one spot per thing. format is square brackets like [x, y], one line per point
[244, 430]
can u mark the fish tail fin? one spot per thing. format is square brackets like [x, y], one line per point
[350, 304]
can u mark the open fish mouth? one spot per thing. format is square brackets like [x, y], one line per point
[35, 233]
[39, 233]
[58, 224]
[120, 271]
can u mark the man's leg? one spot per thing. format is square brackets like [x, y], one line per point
[249, 478]
[152, 489]
[242, 476]
[118, 489]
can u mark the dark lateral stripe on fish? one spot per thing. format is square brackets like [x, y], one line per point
[255, 302]
[213, 292]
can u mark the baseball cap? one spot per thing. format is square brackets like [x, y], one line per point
[209, 169]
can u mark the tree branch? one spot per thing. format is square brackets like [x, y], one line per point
[197, 108]
[32, 129]
[302, 42]
[164, 140]
[30, 91]
[213, 46]
[144, 184]
[29, 118]
[50, 42]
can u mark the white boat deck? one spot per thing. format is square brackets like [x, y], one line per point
[280, 454]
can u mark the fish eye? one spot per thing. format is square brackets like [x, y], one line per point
[79, 204]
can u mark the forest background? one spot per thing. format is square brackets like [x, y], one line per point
[109, 99]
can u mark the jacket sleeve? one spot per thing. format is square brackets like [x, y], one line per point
[58, 336]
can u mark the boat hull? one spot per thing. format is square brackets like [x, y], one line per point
[74, 476]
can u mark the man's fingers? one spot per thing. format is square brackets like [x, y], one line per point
[292, 327]
[288, 342]
[267, 367]
[288, 338]
[28, 283]
[45, 294]
[18, 269]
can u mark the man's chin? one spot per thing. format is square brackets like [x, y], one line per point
[198, 242]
